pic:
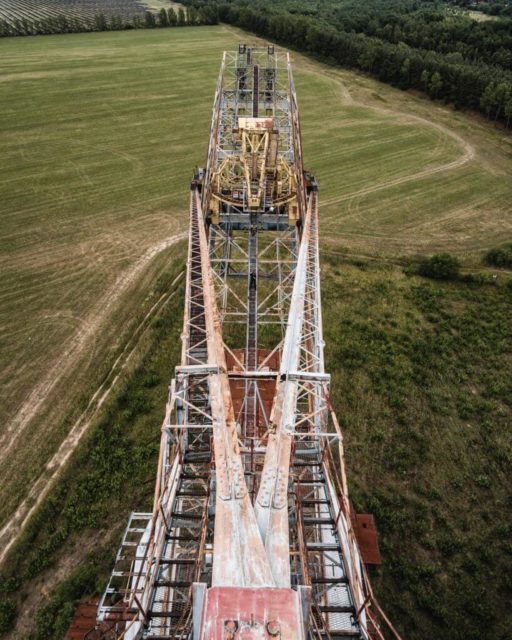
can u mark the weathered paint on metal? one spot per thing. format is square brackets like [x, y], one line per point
[246, 472]
[252, 614]
[240, 557]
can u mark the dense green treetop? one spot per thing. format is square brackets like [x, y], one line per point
[435, 47]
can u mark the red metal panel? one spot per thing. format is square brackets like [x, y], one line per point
[83, 621]
[250, 614]
[366, 534]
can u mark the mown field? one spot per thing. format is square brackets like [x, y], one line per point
[100, 133]
[99, 141]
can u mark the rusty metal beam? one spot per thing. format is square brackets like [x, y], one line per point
[249, 434]
[239, 558]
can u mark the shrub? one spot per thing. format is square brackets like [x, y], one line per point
[448, 544]
[500, 256]
[441, 266]
[480, 278]
[7, 615]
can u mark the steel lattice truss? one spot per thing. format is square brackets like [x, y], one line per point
[251, 533]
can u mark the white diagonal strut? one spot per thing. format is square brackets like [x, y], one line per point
[272, 500]
[239, 558]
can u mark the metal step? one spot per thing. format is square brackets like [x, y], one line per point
[312, 520]
[186, 516]
[189, 493]
[309, 463]
[340, 634]
[195, 476]
[332, 608]
[177, 636]
[166, 614]
[198, 456]
[181, 538]
[339, 580]
[173, 583]
[322, 546]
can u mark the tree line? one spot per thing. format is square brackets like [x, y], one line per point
[332, 31]
[108, 22]
[423, 26]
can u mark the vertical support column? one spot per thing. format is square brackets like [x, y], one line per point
[251, 350]
[198, 607]
[255, 91]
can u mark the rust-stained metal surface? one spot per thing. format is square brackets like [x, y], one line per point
[266, 387]
[252, 614]
[251, 533]
[366, 534]
[83, 621]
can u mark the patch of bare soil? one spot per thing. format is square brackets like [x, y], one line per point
[64, 366]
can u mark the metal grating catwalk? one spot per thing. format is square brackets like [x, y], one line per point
[251, 534]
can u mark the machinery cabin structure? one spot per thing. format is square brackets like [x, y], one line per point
[251, 535]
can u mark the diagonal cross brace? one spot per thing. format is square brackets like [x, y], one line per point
[240, 558]
[272, 500]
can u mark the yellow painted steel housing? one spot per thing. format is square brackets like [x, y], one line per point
[255, 176]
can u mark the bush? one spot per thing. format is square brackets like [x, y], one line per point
[500, 256]
[7, 615]
[480, 278]
[441, 266]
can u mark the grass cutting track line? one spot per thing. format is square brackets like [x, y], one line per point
[40, 489]
[468, 154]
[63, 366]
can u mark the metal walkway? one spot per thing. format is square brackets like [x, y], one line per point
[251, 534]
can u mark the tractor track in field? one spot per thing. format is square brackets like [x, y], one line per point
[468, 149]
[468, 153]
[64, 367]
[78, 344]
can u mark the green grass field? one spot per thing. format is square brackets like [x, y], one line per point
[100, 134]
[99, 142]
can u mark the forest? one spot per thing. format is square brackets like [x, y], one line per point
[432, 47]
[492, 7]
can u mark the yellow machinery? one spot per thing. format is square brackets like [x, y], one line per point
[255, 177]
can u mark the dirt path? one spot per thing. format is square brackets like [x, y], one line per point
[77, 346]
[468, 150]
[40, 489]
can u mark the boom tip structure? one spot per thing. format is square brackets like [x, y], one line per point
[251, 534]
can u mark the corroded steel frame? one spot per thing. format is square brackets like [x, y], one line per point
[251, 502]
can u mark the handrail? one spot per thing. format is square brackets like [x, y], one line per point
[339, 477]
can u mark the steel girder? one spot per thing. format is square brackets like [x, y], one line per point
[251, 528]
